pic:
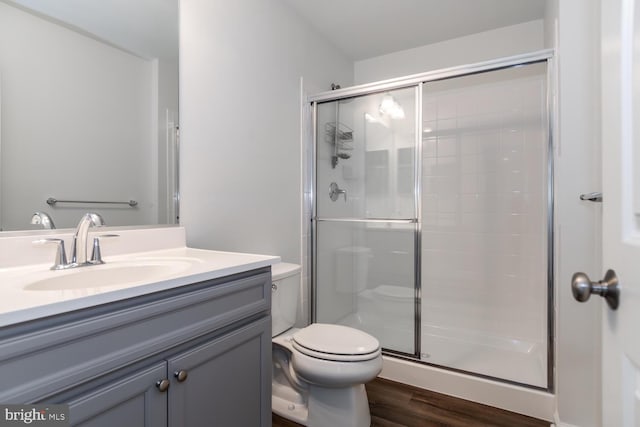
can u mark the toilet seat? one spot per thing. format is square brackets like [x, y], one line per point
[330, 357]
[335, 343]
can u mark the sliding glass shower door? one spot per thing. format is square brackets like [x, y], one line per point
[366, 215]
[433, 219]
[485, 224]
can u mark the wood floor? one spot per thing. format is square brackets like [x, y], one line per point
[395, 405]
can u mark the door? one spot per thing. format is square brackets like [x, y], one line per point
[366, 218]
[225, 382]
[486, 223]
[621, 209]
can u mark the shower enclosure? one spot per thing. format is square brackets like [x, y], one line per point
[432, 217]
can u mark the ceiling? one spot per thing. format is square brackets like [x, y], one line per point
[368, 28]
[359, 28]
[147, 28]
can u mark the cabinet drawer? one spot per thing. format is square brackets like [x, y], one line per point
[41, 360]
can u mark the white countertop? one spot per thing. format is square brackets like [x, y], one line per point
[18, 303]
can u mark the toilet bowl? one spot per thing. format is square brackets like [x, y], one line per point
[318, 371]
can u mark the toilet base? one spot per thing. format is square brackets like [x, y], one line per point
[345, 407]
[326, 407]
[297, 412]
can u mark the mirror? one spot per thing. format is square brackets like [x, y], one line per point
[88, 111]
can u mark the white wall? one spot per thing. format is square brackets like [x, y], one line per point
[578, 223]
[67, 97]
[240, 69]
[501, 42]
[551, 24]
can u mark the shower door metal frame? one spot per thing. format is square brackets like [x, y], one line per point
[417, 81]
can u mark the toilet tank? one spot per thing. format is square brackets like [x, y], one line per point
[284, 296]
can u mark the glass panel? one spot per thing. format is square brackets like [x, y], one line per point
[365, 279]
[365, 145]
[484, 232]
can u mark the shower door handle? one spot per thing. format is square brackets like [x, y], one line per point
[582, 288]
[335, 192]
[592, 197]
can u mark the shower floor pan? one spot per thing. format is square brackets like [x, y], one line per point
[468, 350]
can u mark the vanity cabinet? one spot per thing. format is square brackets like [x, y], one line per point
[198, 355]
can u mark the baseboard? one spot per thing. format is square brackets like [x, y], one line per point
[558, 423]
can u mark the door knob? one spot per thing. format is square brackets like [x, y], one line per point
[582, 288]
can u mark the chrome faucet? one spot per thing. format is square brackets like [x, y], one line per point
[43, 219]
[79, 245]
[81, 237]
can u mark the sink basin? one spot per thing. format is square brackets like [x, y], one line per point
[109, 275]
[141, 262]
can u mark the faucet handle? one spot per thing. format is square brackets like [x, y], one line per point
[335, 191]
[96, 255]
[61, 255]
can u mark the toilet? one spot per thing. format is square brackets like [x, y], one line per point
[318, 371]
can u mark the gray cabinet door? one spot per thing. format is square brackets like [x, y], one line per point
[134, 401]
[228, 381]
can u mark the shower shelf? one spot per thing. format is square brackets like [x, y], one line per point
[340, 136]
[345, 133]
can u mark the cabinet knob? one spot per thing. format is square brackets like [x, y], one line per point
[163, 385]
[181, 375]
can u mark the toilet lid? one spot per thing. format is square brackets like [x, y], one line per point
[335, 342]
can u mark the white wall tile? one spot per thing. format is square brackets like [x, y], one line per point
[447, 146]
